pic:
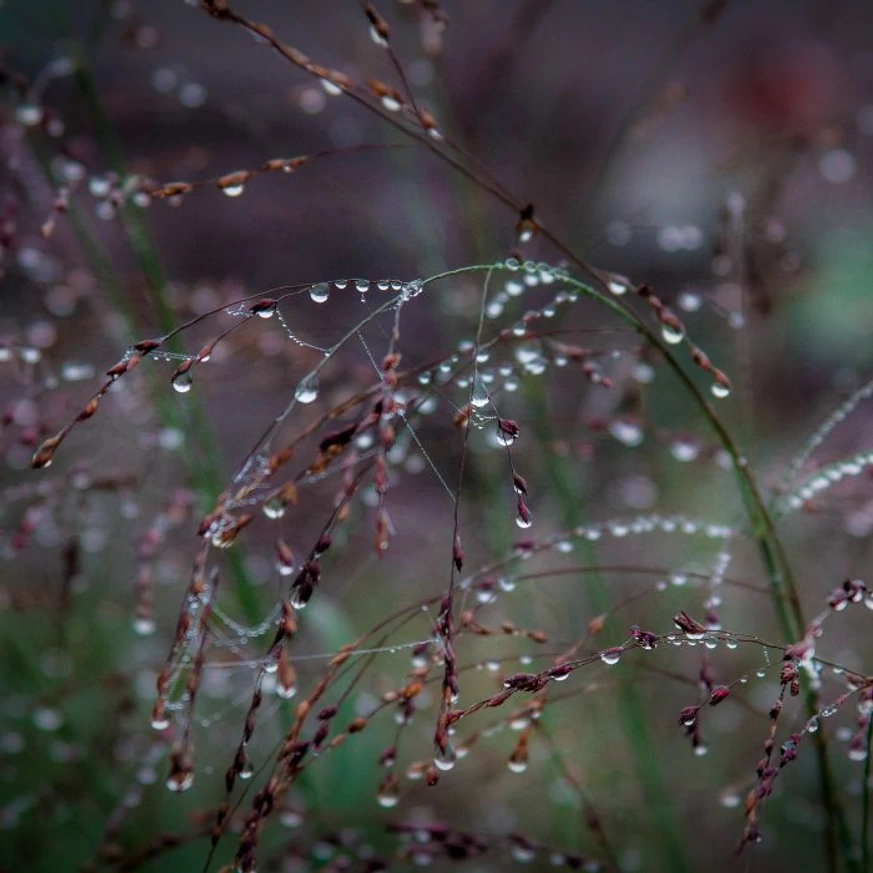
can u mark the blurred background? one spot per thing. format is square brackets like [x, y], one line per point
[720, 152]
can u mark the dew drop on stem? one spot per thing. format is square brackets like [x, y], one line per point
[611, 657]
[320, 293]
[182, 382]
[307, 390]
[672, 334]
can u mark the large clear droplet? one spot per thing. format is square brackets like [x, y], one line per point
[610, 657]
[479, 397]
[445, 761]
[29, 114]
[183, 382]
[307, 390]
[274, 507]
[672, 334]
[320, 292]
[387, 798]
[628, 432]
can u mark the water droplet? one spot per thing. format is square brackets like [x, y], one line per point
[516, 766]
[526, 353]
[320, 293]
[611, 657]
[445, 761]
[362, 286]
[522, 854]
[183, 382]
[690, 301]
[627, 431]
[307, 390]
[144, 626]
[233, 190]
[286, 692]
[479, 397]
[274, 507]
[672, 334]
[377, 37]
[719, 390]
[524, 523]
[330, 87]
[265, 310]
[387, 799]
[29, 114]
[181, 781]
[300, 597]
[246, 771]
[684, 450]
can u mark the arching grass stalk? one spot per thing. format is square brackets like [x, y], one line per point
[783, 588]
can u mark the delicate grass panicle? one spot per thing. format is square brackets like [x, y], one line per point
[458, 520]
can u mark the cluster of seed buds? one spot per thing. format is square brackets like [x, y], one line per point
[851, 591]
[672, 329]
[181, 775]
[200, 595]
[673, 332]
[467, 623]
[509, 431]
[859, 743]
[388, 99]
[689, 717]
[276, 661]
[586, 358]
[766, 770]
[292, 758]
[307, 579]
[450, 688]
[387, 410]
[231, 184]
[45, 454]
